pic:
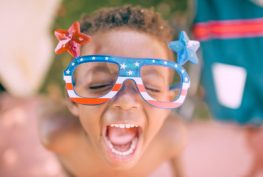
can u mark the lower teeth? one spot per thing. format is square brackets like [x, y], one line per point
[125, 153]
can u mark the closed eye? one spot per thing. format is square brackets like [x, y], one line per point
[100, 86]
[152, 90]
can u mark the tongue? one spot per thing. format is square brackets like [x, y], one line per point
[121, 136]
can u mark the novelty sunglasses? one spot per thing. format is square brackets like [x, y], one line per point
[95, 79]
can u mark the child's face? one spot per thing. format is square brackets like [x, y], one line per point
[121, 129]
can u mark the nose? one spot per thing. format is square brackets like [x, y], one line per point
[128, 96]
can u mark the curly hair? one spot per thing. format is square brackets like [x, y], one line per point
[133, 17]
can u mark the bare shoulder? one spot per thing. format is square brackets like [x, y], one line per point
[173, 134]
[57, 127]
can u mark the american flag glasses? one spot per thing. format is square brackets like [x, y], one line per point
[95, 79]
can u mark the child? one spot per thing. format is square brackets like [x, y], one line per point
[123, 128]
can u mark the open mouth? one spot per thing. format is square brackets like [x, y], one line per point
[122, 140]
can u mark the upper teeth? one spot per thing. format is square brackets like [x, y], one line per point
[123, 125]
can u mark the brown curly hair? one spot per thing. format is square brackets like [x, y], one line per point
[133, 17]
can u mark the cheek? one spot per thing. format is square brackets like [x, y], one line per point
[166, 95]
[90, 117]
[156, 119]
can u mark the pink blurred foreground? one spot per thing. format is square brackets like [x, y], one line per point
[21, 154]
[219, 150]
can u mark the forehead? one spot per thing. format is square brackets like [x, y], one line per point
[126, 43]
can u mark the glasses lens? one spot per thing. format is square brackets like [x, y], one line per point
[161, 83]
[95, 79]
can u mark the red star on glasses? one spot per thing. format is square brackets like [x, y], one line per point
[71, 40]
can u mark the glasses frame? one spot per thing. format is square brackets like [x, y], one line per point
[129, 69]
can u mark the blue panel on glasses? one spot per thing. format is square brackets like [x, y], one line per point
[128, 67]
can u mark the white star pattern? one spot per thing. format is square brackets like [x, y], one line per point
[153, 61]
[123, 66]
[137, 64]
[129, 72]
[81, 59]
[185, 79]
[165, 62]
[93, 58]
[106, 58]
[73, 64]
[67, 71]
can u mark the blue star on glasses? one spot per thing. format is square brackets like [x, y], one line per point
[185, 49]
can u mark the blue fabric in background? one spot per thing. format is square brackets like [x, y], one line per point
[244, 51]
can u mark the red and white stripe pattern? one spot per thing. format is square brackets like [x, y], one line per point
[94, 101]
[224, 29]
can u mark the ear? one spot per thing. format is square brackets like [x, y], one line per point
[73, 107]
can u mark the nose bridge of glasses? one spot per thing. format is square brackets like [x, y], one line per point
[129, 85]
[129, 68]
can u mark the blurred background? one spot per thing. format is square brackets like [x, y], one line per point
[225, 136]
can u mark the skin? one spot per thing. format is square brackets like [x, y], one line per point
[79, 144]
[254, 137]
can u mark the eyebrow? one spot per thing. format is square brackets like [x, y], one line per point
[103, 69]
[94, 69]
[156, 73]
